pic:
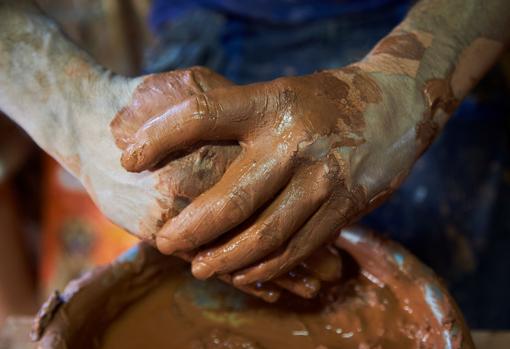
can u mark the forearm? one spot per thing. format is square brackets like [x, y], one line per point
[467, 37]
[49, 86]
[66, 102]
[424, 67]
[446, 47]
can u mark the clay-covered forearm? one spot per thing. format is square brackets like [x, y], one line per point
[445, 44]
[66, 102]
[436, 56]
[462, 39]
[49, 86]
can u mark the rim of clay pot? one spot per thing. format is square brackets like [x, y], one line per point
[71, 318]
[396, 267]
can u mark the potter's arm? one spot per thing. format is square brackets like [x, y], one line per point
[468, 37]
[52, 88]
[459, 40]
[66, 102]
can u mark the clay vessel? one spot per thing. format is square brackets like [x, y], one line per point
[82, 315]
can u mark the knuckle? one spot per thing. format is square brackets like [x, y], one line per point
[204, 107]
[283, 82]
[199, 77]
[285, 98]
[238, 203]
[282, 92]
[198, 69]
[187, 74]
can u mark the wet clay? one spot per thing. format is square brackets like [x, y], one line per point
[346, 316]
[386, 299]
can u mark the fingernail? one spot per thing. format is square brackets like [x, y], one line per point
[126, 159]
[130, 157]
[201, 270]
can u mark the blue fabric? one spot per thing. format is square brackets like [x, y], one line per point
[274, 11]
[453, 210]
[247, 51]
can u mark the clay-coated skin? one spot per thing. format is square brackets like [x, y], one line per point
[355, 131]
[320, 150]
[83, 115]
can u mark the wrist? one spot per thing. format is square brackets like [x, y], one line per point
[416, 67]
[93, 140]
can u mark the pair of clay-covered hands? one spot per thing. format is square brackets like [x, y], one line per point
[263, 176]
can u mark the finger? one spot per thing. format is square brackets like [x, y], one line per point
[244, 187]
[325, 264]
[221, 114]
[299, 283]
[319, 229]
[267, 292]
[156, 93]
[306, 192]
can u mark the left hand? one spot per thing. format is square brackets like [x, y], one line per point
[318, 151]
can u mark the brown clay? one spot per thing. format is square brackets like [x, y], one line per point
[375, 307]
[387, 299]
[403, 45]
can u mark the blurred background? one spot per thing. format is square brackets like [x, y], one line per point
[453, 211]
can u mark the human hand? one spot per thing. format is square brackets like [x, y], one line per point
[179, 181]
[318, 152]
